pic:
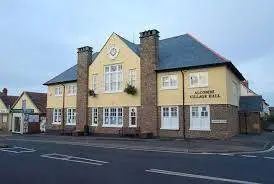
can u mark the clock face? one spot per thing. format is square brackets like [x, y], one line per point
[113, 52]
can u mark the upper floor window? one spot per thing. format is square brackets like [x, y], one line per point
[169, 82]
[199, 79]
[94, 85]
[72, 89]
[113, 78]
[132, 77]
[58, 91]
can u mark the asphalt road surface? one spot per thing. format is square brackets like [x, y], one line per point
[48, 163]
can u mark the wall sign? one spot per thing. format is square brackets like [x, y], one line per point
[205, 94]
[4, 111]
[219, 121]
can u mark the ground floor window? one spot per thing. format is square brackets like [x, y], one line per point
[57, 115]
[132, 117]
[113, 117]
[71, 116]
[94, 114]
[170, 118]
[200, 117]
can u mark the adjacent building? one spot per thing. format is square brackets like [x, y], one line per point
[28, 112]
[178, 88]
[6, 103]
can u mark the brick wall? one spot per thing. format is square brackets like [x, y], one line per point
[84, 60]
[218, 130]
[149, 57]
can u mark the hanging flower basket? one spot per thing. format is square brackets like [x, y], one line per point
[92, 93]
[130, 89]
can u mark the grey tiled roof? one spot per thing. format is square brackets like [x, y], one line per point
[8, 100]
[69, 75]
[251, 103]
[174, 53]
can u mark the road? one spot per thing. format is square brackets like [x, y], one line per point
[47, 163]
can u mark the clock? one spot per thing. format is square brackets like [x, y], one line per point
[113, 52]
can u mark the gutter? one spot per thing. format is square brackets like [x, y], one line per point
[63, 110]
[184, 122]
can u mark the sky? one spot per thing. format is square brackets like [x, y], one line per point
[39, 39]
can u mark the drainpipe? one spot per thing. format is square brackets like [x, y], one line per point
[63, 110]
[184, 117]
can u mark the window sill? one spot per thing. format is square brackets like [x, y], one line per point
[113, 91]
[132, 126]
[58, 95]
[198, 87]
[162, 128]
[112, 126]
[71, 124]
[71, 94]
[56, 123]
[169, 88]
[207, 130]
[93, 125]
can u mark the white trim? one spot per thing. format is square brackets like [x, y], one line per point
[169, 78]
[109, 78]
[56, 122]
[129, 115]
[60, 91]
[92, 116]
[71, 109]
[169, 116]
[70, 93]
[116, 124]
[198, 75]
[199, 117]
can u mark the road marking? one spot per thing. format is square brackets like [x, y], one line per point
[198, 176]
[249, 156]
[272, 158]
[69, 158]
[17, 149]
[226, 154]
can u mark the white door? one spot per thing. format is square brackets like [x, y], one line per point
[200, 117]
[170, 118]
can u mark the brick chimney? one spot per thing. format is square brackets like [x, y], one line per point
[149, 57]
[83, 62]
[4, 92]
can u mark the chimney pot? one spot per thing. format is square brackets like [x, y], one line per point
[5, 92]
[147, 33]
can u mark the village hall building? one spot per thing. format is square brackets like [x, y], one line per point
[175, 87]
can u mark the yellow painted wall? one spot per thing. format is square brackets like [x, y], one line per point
[2, 105]
[230, 78]
[129, 60]
[170, 96]
[29, 104]
[217, 80]
[57, 101]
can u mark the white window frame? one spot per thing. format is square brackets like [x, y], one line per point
[72, 90]
[110, 111]
[71, 116]
[169, 82]
[94, 114]
[94, 83]
[132, 77]
[170, 127]
[130, 116]
[58, 91]
[113, 75]
[58, 113]
[194, 126]
[200, 83]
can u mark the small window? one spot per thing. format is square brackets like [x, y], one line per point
[94, 85]
[94, 116]
[58, 91]
[169, 82]
[199, 79]
[71, 116]
[113, 117]
[57, 116]
[132, 77]
[132, 116]
[72, 89]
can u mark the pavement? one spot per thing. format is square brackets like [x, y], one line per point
[48, 160]
[240, 143]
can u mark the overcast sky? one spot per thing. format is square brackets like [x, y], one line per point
[38, 39]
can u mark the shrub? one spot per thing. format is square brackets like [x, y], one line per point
[92, 93]
[130, 89]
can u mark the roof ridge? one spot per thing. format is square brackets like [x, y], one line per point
[210, 49]
[173, 37]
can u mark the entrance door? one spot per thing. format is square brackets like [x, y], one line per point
[17, 123]
[170, 118]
